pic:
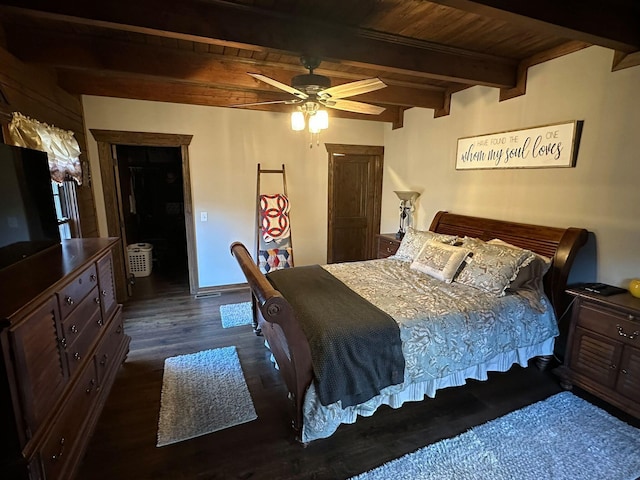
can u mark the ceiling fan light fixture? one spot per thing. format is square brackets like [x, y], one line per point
[323, 119]
[297, 121]
[310, 114]
[314, 127]
[315, 124]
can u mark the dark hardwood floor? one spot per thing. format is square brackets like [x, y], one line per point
[164, 320]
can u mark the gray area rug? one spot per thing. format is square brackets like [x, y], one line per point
[561, 438]
[202, 392]
[236, 314]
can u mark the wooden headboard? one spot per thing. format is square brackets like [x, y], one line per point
[559, 244]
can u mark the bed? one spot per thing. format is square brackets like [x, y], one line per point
[449, 328]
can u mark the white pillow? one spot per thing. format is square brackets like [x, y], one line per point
[440, 260]
[414, 240]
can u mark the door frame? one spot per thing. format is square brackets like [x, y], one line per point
[106, 139]
[337, 150]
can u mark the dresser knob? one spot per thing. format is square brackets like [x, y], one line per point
[624, 371]
[104, 359]
[74, 329]
[104, 293]
[69, 300]
[93, 277]
[97, 300]
[76, 356]
[100, 322]
[613, 366]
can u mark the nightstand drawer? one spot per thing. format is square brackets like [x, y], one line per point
[387, 246]
[624, 328]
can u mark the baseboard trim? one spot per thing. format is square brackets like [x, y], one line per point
[219, 290]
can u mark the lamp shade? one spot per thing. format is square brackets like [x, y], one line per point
[314, 124]
[297, 121]
[407, 195]
[323, 119]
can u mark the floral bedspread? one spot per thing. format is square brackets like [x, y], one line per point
[445, 329]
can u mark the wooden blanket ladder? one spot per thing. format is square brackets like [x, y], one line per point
[274, 242]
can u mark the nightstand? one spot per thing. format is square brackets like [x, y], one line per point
[603, 349]
[387, 244]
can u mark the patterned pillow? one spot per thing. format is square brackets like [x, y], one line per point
[535, 270]
[492, 267]
[414, 240]
[529, 281]
[440, 260]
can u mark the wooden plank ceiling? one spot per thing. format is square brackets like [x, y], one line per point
[200, 51]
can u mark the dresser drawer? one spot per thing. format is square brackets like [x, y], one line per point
[72, 294]
[78, 321]
[77, 352]
[106, 352]
[616, 325]
[58, 448]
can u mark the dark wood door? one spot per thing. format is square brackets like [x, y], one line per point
[355, 188]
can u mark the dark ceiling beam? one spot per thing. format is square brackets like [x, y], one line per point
[538, 58]
[141, 88]
[225, 24]
[623, 60]
[97, 53]
[613, 24]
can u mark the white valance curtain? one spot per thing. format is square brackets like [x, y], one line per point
[60, 145]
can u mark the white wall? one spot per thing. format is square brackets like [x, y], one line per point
[602, 193]
[227, 145]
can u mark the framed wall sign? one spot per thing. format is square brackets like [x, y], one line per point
[538, 147]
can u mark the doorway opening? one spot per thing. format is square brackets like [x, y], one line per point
[168, 156]
[152, 196]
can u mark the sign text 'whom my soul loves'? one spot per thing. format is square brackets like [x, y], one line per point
[538, 147]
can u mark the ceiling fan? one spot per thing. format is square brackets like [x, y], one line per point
[312, 91]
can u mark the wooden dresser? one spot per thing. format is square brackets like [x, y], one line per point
[62, 340]
[603, 350]
[387, 244]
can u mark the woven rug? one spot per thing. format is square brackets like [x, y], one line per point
[236, 314]
[202, 393]
[561, 438]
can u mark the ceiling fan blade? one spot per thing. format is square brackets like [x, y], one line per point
[286, 102]
[280, 85]
[352, 88]
[356, 107]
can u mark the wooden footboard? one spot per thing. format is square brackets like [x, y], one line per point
[277, 321]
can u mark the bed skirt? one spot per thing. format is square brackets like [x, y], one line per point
[322, 421]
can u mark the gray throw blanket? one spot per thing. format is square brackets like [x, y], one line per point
[356, 349]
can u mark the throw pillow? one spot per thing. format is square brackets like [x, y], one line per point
[414, 240]
[492, 267]
[439, 260]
